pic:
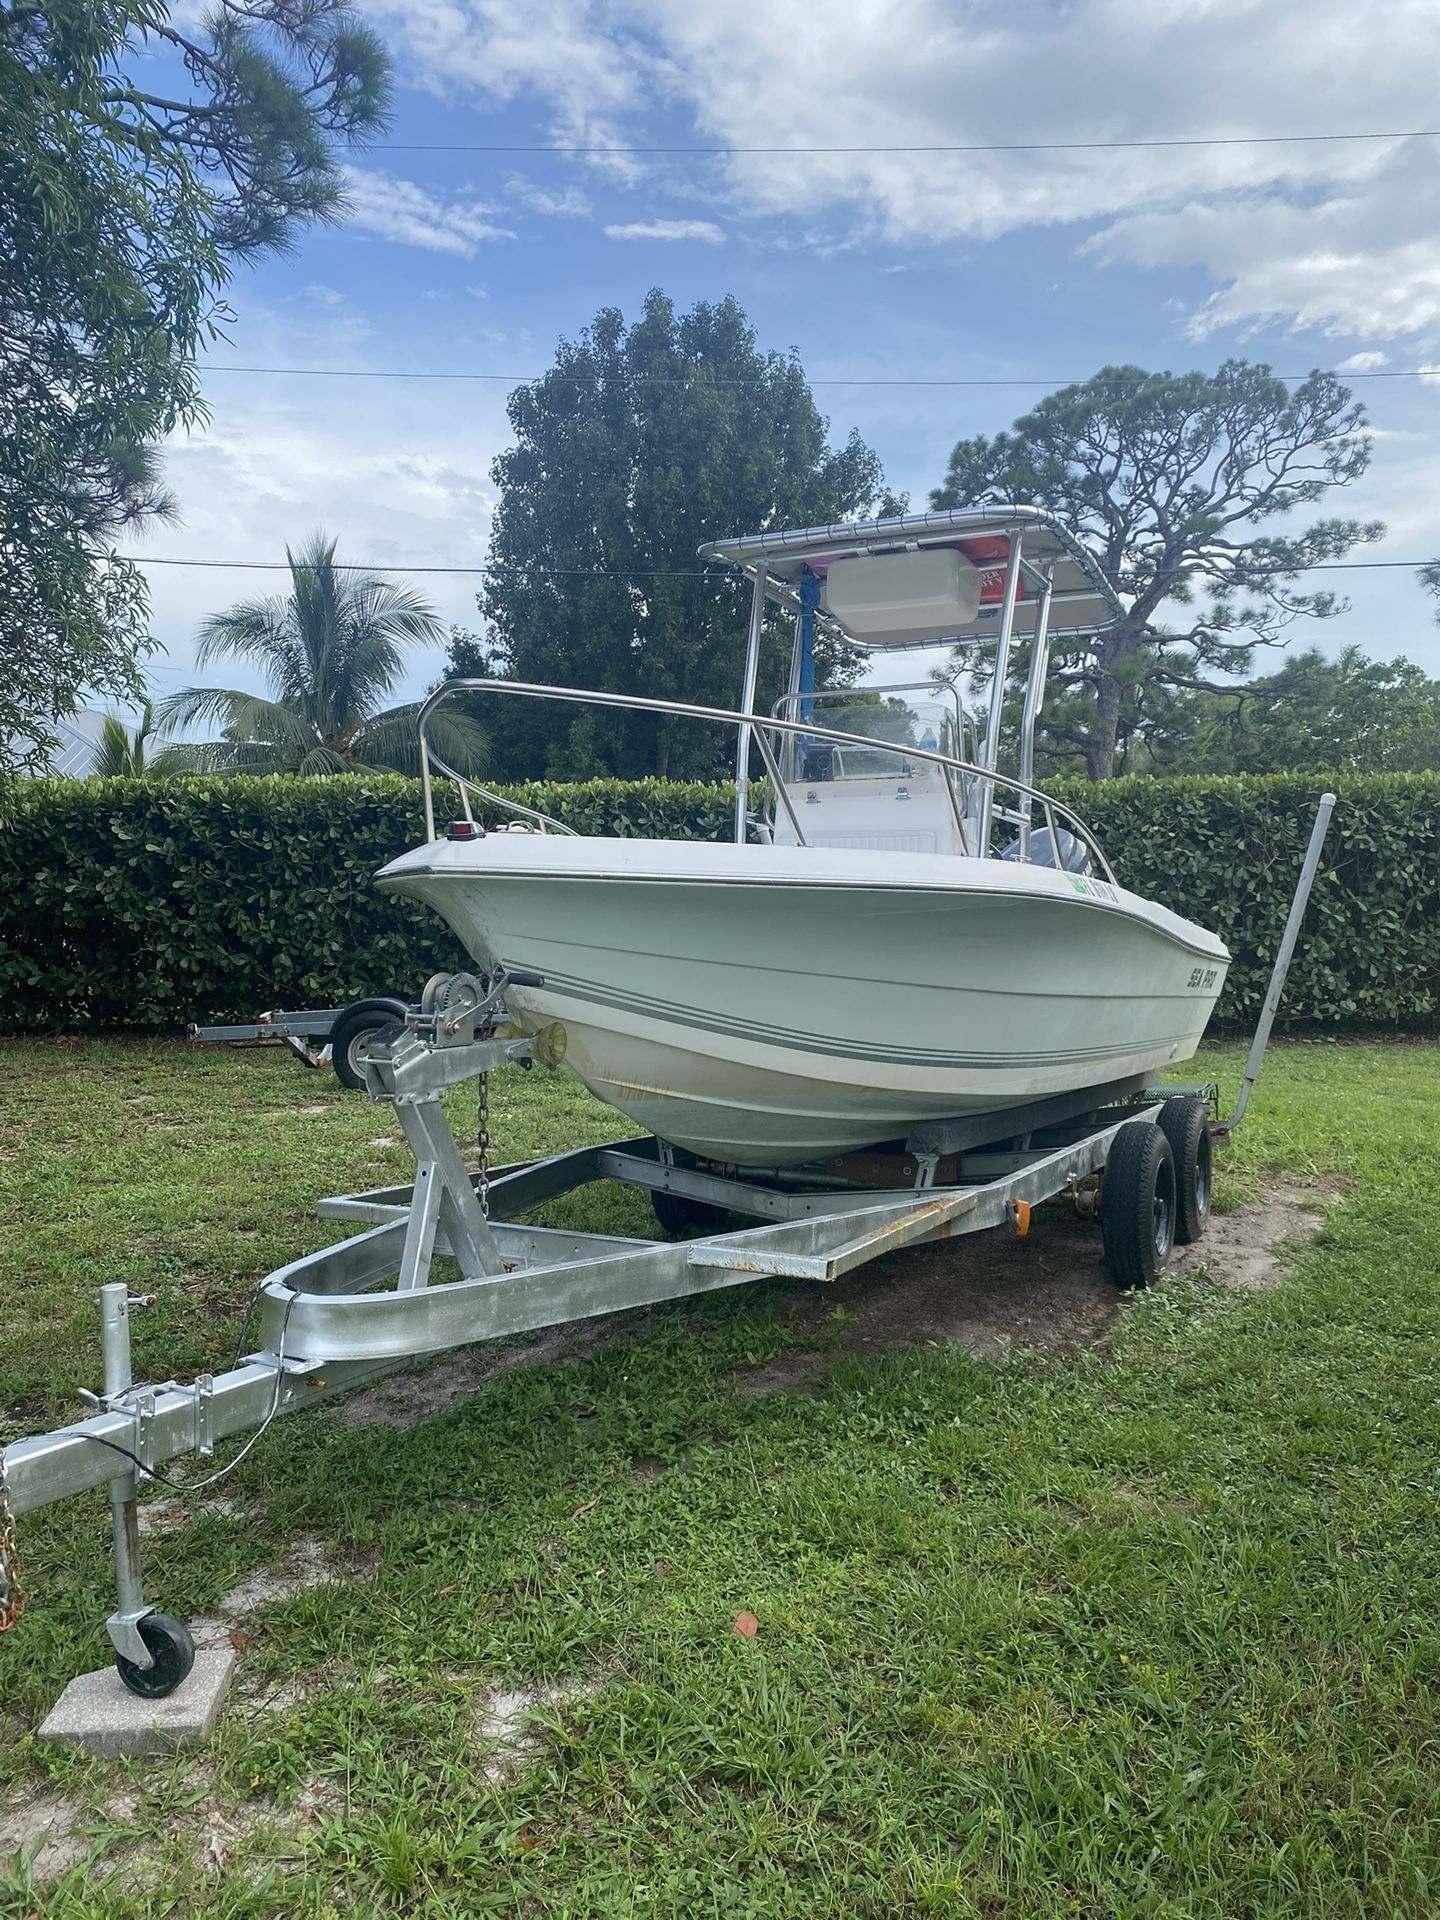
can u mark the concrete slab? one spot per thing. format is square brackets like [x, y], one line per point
[100, 1716]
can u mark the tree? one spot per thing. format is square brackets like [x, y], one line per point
[1347, 714]
[641, 443]
[138, 162]
[330, 650]
[1173, 481]
[124, 753]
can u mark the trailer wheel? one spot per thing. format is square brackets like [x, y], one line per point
[1185, 1123]
[171, 1649]
[1137, 1205]
[355, 1024]
[678, 1213]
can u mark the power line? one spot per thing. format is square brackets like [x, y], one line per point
[590, 573]
[837, 380]
[974, 146]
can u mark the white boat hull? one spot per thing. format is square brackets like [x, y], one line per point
[773, 1005]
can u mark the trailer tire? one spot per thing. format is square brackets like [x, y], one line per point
[678, 1213]
[171, 1649]
[1137, 1204]
[1185, 1123]
[355, 1023]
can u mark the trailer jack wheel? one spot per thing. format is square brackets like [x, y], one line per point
[355, 1024]
[172, 1651]
[1137, 1204]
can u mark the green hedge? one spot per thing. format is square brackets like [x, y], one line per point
[149, 903]
[1226, 852]
[152, 903]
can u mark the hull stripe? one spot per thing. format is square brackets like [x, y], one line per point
[791, 1040]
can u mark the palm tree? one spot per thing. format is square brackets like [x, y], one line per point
[330, 650]
[125, 755]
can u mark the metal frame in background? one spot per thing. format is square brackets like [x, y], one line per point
[349, 1312]
[296, 1031]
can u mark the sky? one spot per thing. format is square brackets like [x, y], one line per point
[1025, 269]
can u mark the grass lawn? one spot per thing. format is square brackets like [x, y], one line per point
[1147, 1630]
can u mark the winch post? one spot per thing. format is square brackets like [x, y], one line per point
[123, 1626]
[410, 1074]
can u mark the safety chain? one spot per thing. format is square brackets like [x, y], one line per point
[482, 1141]
[12, 1594]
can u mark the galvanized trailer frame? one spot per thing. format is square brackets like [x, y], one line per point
[369, 1304]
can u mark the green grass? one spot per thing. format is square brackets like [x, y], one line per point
[1147, 1632]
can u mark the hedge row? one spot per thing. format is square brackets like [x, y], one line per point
[1226, 852]
[148, 903]
[152, 903]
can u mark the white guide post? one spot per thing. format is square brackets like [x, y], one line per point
[747, 705]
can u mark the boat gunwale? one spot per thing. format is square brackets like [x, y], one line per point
[1031, 883]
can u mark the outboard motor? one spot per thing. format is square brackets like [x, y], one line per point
[1061, 849]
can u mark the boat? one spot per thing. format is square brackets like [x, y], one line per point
[906, 943]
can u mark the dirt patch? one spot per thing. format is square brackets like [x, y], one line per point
[1049, 1293]
[126, 1832]
[46, 1829]
[309, 1563]
[786, 1373]
[647, 1468]
[1246, 1248]
[165, 1514]
[504, 1727]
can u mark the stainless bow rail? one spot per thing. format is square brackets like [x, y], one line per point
[749, 725]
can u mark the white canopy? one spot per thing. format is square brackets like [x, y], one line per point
[925, 605]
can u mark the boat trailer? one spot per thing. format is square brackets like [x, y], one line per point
[1136, 1157]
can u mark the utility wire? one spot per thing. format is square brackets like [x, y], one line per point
[589, 573]
[973, 146]
[684, 380]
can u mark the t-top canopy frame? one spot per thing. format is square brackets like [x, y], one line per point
[1032, 567]
[1081, 599]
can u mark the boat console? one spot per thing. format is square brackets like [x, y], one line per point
[881, 797]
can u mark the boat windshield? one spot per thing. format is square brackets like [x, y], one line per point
[928, 716]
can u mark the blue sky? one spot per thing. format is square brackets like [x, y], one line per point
[873, 266]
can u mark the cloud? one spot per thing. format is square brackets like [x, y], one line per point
[397, 471]
[402, 211]
[566, 203]
[904, 74]
[1363, 259]
[1362, 362]
[585, 69]
[705, 230]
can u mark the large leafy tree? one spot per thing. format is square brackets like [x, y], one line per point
[642, 442]
[331, 650]
[1346, 714]
[138, 162]
[1177, 482]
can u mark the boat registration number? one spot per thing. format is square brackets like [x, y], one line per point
[1204, 976]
